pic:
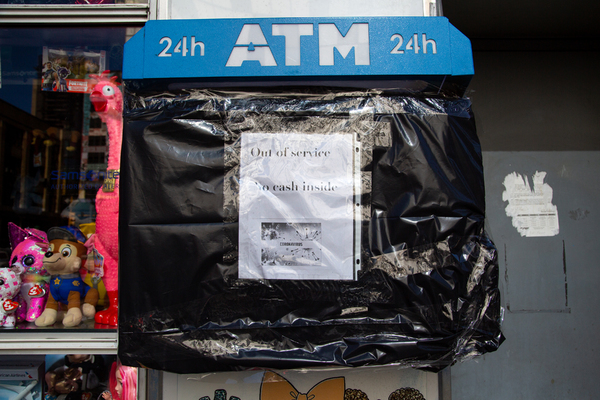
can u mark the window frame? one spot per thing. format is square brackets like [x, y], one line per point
[76, 14]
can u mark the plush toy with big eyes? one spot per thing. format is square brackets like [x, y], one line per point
[29, 246]
[10, 301]
[63, 260]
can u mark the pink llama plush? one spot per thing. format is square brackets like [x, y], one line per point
[29, 246]
[108, 102]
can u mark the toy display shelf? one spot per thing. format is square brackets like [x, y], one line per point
[84, 339]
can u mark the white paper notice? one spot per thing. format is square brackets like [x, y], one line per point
[531, 209]
[296, 206]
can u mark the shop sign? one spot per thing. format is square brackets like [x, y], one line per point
[292, 47]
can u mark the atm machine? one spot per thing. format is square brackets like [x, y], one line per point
[302, 208]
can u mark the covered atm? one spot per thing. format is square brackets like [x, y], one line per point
[302, 192]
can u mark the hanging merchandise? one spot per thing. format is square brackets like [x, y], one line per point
[299, 225]
[69, 70]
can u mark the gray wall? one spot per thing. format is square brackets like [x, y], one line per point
[539, 111]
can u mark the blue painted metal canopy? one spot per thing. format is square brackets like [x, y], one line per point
[348, 48]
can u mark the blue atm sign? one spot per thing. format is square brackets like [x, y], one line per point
[285, 47]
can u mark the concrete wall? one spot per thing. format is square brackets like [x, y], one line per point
[538, 111]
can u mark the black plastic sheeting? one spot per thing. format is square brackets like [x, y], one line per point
[426, 294]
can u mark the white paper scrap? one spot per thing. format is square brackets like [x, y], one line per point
[531, 209]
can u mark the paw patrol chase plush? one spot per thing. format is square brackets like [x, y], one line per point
[63, 260]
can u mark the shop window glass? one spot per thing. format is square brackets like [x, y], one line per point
[53, 146]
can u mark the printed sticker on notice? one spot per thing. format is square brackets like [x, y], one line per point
[296, 206]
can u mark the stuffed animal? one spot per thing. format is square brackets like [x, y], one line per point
[63, 260]
[10, 300]
[108, 102]
[28, 252]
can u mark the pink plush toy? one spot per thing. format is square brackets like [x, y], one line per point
[29, 246]
[10, 300]
[108, 102]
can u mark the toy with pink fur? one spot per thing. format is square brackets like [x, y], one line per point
[10, 299]
[28, 253]
[108, 102]
[122, 383]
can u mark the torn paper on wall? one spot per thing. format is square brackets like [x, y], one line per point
[530, 208]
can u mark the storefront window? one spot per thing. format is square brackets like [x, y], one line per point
[53, 146]
[93, 2]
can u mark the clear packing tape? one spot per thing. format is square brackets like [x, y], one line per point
[425, 292]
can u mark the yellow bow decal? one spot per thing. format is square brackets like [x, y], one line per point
[276, 387]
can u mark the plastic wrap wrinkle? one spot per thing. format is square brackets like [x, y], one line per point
[425, 294]
[484, 257]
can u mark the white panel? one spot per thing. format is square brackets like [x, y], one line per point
[374, 382]
[202, 9]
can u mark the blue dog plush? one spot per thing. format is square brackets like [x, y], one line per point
[63, 260]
